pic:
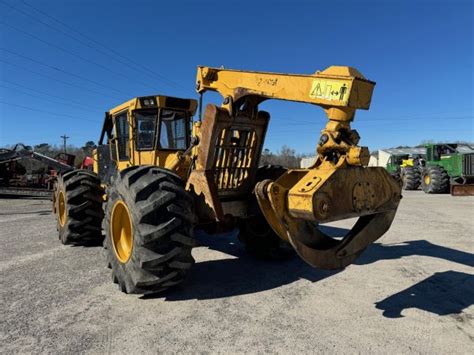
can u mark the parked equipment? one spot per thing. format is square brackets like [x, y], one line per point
[449, 167]
[407, 169]
[16, 180]
[163, 175]
[20, 151]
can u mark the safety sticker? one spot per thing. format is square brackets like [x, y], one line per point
[330, 90]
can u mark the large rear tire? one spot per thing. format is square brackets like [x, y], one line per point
[411, 178]
[255, 233]
[149, 230]
[77, 202]
[435, 180]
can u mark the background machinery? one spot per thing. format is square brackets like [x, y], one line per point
[449, 167]
[164, 175]
[407, 169]
[15, 179]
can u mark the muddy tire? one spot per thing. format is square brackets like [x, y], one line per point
[255, 233]
[157, 253]
[411, 178]
[77, 203]
[435, 180]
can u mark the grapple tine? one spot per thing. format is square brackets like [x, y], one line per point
[325, 252]
[367, 193]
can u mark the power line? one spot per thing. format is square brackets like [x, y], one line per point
[138, 66]
[48, 112]
[64, 71]
[76, 55]
[49, 100]
[93, 108]
[82, 134]
[58, 80]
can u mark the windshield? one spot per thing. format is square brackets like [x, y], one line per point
[145, 128]
[173, 130]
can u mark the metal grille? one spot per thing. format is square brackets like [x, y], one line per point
[468, 164]
[235, 149]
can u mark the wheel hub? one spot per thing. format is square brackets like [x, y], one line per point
[62, 209]
[427, 179]
[121, 231]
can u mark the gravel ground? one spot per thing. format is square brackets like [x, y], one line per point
[413, 291]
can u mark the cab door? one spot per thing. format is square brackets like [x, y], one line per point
[120, 142]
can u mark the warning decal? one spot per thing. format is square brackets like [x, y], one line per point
[330, 90]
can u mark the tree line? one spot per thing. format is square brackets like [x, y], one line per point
[286, 157]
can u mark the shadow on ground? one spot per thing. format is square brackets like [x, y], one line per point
[380, 251]
[377, 252]
[240, 275]
[443, 293]
[244, 274]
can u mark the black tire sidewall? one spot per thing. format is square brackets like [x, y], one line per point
[439, 180]
[121, 270]
[135, 275]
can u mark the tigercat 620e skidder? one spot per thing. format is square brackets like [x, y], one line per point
[162, 175]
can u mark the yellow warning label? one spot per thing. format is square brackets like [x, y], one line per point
[330, 90]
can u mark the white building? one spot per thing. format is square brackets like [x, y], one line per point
[383, 156]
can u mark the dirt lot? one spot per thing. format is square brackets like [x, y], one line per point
[411, 292]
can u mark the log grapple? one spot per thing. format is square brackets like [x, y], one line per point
[339, 185]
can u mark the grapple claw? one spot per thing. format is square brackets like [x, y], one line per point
[325, 252]
[295, 213]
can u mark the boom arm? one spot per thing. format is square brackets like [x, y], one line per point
[339, 90]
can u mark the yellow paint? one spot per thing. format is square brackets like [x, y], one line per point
[62, 209]
[159, 157]
[427, 179]
[121, 231]
[339, 185]
[291, 87]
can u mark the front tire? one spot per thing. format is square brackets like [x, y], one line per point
[411, 178]
[77, 202]
[149, 230]
[435, 180]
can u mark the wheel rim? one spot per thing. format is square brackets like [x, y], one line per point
[62, 209]
[427, 179]
[121, 231]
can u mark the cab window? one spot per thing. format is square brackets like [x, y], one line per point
[123, 136]
[145, 128]
[173, 129]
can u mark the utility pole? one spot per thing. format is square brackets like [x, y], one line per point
[64, 137]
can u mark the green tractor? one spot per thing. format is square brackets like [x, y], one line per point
[407, 169]
[448, 167]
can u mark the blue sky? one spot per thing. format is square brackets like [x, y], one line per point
[55, 80]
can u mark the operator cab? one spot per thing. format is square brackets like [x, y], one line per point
[144, 130]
